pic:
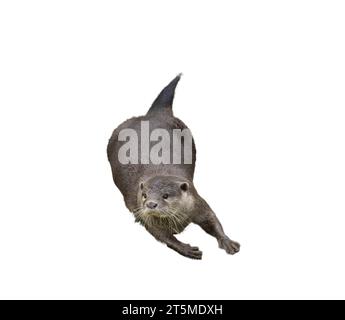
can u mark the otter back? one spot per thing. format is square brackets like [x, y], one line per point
[160, 116]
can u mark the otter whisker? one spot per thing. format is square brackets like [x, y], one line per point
[176, 221]
[172, 220]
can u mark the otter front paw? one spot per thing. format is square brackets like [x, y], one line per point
[190, 252]
[228, 245]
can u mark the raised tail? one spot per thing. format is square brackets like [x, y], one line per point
[165, 99]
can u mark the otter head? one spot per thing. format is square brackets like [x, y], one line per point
[165, 200]
[161, 194]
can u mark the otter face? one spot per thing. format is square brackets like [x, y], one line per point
[164, 202]
[163, 195]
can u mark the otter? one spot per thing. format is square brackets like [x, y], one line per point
[162, 195]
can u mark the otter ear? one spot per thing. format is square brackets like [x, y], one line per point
[141, 186]
[184, 186]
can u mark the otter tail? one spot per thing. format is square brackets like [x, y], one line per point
[165, 99]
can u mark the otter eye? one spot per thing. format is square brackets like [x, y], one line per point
[184, 186]
[144, 196]
[165, 196]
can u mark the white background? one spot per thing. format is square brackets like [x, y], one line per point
[262, 92]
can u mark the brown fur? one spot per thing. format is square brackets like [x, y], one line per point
[143, 185]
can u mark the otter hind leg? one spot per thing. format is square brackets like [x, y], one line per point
[209, 222]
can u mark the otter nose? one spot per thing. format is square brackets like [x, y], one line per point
[151, 204]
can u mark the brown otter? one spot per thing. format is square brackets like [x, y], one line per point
[162, 195]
